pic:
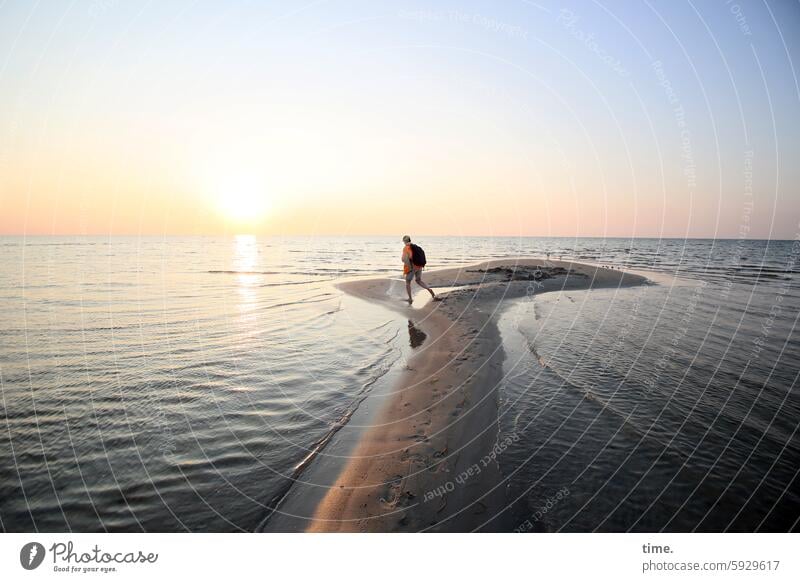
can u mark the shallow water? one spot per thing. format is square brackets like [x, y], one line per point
[670, 407]
[168, 384]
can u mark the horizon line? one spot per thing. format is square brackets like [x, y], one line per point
[340, 235]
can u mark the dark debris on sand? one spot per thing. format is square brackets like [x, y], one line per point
[525, 273]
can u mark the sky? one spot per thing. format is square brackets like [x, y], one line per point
[515, 118]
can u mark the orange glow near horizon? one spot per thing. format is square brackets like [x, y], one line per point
[336, 124]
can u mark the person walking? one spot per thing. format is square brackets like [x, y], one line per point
[413, 262]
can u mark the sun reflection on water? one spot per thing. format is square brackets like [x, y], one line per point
[245, 261]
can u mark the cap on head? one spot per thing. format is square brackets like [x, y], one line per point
[406, 239]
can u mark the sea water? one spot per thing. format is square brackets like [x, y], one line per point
[666, 407]
[177, 383]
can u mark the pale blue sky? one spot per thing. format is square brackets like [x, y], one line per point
[509, 117]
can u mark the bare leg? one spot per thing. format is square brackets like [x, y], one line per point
[408, 290]
[424, 286]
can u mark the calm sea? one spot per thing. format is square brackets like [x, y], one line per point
[170, 384]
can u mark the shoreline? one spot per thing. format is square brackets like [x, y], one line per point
[429, 461]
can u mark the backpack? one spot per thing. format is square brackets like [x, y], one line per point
[418, 256]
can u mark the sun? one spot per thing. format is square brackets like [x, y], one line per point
[243, 201]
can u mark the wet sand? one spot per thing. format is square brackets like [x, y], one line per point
[429, 461]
